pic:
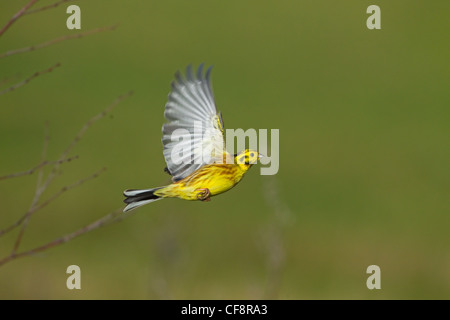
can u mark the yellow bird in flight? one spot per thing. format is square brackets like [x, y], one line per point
[191, 107]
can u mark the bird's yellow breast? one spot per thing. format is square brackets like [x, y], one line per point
[217, 178]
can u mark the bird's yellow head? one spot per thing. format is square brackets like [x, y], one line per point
[245, 159]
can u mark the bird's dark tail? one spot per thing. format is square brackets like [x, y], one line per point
[137, 198]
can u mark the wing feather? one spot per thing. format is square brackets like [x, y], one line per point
[191, 103]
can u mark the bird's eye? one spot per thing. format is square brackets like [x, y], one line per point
[252, 154]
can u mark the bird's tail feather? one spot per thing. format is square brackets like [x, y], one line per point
[137, 198]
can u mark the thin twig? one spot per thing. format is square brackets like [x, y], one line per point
[49, 200]
[17, 16]
[52, 174]
[36, 207]
[46, 142]
[54, 5]
[43, 154]
[39, 190]
[24, 82]
[67, 188]
[39, 181]
[92, 121]
[82, 131]
[41, 187]
[40, 165]
[51, 42]
[5, 80]
[113, 217]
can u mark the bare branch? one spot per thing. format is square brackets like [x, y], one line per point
[36, 208]
[44, 162]
[54, 5]
[41, 187]
[39, 190]
[24, 82]
[39, 166]
[46, 142]
[80, 134]
[17, 16]
[5, 80]
[113, 217]
[83, 130]
[41, 171]
[67, 188]
[60, 39]
[92, 121]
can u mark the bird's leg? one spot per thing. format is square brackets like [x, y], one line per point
[204, 194]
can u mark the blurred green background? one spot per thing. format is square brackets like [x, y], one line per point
[364, 150]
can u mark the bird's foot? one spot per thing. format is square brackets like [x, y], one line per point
[204, 194]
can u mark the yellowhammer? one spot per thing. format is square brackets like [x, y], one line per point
[193, 140]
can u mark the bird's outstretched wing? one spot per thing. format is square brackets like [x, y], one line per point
[193, 135]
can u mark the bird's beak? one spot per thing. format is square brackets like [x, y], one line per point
[261, 156]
